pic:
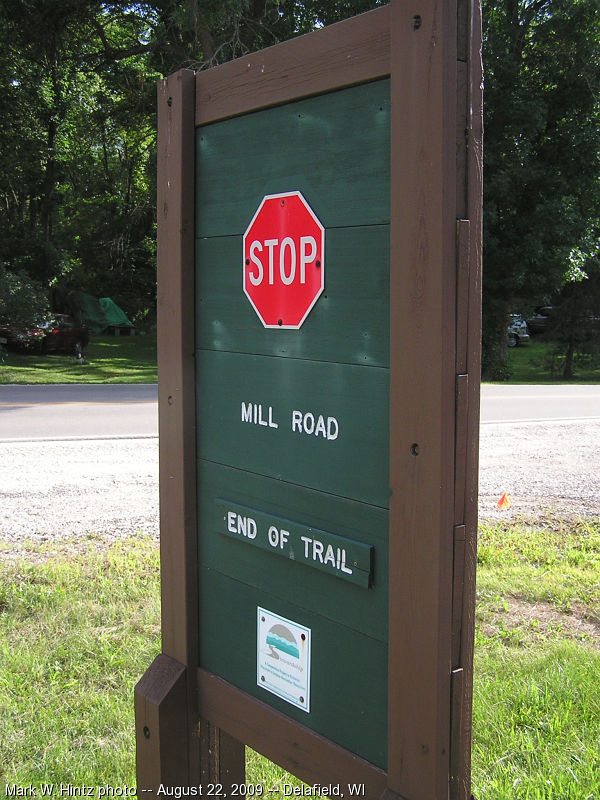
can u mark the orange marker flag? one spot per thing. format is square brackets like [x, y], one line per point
[504, 502]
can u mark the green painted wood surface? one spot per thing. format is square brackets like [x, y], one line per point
[333, 148]
[341, 602]
[349, 323]
[354, 464]
[250, 380]
[343, 558]
[348, 669]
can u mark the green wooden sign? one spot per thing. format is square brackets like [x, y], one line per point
[297, 411]
[318, 412]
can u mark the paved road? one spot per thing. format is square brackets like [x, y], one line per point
[78, 411]
[88, 411]
[539, 403]
[106, 480]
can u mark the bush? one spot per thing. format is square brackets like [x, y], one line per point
[23, 302]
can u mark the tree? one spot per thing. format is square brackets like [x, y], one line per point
[575, 321]
[76, 199]
[78, 134]
[77, 193]
[204, 33]
[542, 151]
[22, 301]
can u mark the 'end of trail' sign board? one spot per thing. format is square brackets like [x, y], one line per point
[319, 278]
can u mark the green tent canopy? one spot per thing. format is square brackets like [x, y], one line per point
[115, 315]
[98, 315]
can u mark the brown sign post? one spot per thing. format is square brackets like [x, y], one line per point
[318, 471]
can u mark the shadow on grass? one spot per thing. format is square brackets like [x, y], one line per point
[107, 360]
[531, 364]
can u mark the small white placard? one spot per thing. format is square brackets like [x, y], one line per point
[283, 658]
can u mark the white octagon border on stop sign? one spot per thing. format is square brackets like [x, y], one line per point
[294, 193]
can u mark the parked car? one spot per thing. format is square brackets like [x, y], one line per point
[15, 337]
[540, 321]
[62, 334]
[517, 331]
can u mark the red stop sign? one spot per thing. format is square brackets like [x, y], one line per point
[284, 271]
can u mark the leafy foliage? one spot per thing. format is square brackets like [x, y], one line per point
[23, 302]
[542, 153]
[77, 174]
[76, 197]
[575, 330]
[77, 191]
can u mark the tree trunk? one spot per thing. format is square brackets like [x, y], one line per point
[49, 181]
[569, 357]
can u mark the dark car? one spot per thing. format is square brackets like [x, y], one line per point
[62, 334]
[540, 321]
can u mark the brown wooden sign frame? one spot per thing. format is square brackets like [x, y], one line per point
[191, 726]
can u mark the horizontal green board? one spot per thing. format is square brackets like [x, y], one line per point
[343, 558]
[318, 591]
[349, 323]
[293, 425]
[334, 148]
[348, 678]
[315, 424]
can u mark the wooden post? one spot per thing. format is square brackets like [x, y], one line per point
[161, 725]
[422, 299]
[172, 741]
[435, 304]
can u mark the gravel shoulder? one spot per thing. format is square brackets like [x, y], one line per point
[78, 495]
[547, 469]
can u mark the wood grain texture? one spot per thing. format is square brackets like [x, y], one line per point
[432, 55]
[162, 725]
[352, 400]
[335, 366]
[222, 759]
[345, 603]
[462, 137]
[461, 447]
[176, 395]
[422, 395]
[176, 368]
[457, 776]
[319, 146]
[463, 257]
[461, 757]
[458, 581]
[355, 300]
[311, 757]
[348, 668]
[350, 52]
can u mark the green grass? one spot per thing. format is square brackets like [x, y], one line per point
[108, 359]
[132, 359]
[536, 729]
[530, 364]
[77, 632]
